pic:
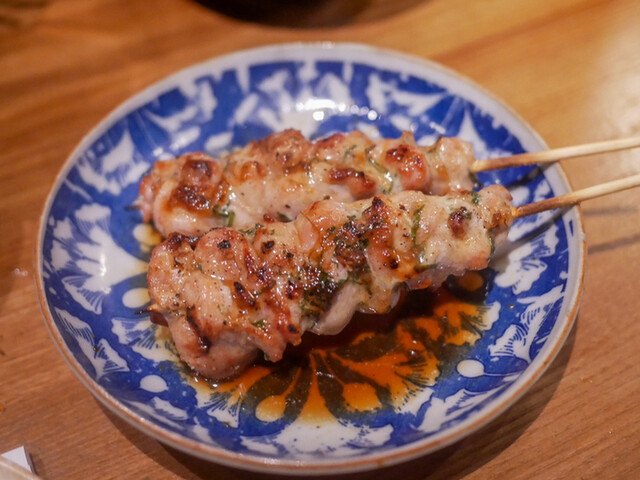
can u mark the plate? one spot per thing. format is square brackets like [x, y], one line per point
[339, 405]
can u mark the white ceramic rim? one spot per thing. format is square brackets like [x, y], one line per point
[458, 85]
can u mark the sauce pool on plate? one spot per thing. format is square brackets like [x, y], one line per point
[377, 362]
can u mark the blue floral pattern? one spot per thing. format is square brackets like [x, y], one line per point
[92, 257]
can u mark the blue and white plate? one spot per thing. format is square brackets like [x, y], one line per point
[352, 404]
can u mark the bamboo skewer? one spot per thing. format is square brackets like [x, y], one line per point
[578, 196]
[550, 156]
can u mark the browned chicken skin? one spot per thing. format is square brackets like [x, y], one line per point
[275, 178]
[231, 293]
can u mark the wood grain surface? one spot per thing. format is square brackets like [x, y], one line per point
[571, 68]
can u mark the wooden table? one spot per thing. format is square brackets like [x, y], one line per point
[571, 68]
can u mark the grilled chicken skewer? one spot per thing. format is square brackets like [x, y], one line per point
[231, 293]
[274, 179]
[277, 177]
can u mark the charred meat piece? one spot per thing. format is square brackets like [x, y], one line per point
[275, 178]
[232, 293]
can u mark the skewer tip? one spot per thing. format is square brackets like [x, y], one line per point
[578, 196]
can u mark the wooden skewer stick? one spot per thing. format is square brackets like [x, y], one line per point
[554, 155]
[577, 196]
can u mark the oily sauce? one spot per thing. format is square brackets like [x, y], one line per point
[377, 363]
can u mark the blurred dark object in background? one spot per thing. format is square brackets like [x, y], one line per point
[19, 13]
[309, 13]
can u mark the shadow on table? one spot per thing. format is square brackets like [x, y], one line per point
[622, 213]
[452, 462]
[309, 14]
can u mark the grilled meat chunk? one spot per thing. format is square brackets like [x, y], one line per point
[232, 293]
[275, 178]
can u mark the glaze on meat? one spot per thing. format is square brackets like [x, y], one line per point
[275, 178]
[232, 293]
